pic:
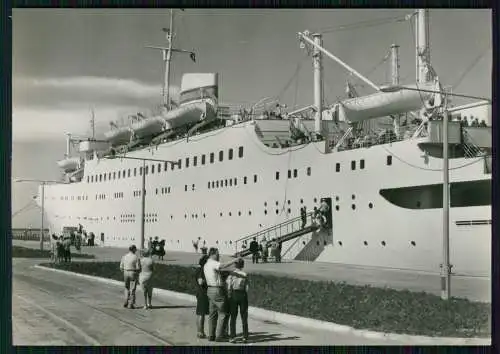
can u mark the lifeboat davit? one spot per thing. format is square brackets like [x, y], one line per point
[118, 136]
[69, 164]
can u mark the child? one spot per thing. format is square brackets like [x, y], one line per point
[237, 283]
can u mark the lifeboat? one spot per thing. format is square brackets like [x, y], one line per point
[118, 136]
[69, 164]
[148, 127]
[190, 113]
[382, 104]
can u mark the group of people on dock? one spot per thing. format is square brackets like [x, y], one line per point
[221, 292]
[264, 250]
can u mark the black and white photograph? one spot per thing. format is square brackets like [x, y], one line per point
[251, 177]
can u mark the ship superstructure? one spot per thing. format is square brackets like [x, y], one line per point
[241, 171]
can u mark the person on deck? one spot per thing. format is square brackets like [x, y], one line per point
[67, 249]
[303, 216]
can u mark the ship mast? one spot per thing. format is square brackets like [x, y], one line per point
[318, 84]
[422, 49]
[167, 58]
[92, 123]
[395, 80]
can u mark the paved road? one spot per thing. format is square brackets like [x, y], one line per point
[58, 309]
[473, 288]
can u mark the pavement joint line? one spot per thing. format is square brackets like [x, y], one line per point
[68, 324]
[283, 318]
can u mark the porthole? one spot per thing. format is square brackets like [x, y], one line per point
[302, 201]
[239, 213]
[389, 160]
[340, 243]
[265, 212]
[317, 243]
[337, 207]
[289, 211]
[337, 198]
[304, 242]
[220, 214]
[230, 214]
[353, 207]
[337, 167]
[365, 243]
[413, 243]
[204, 215]
[289, 202]
[249, 212]
[383, 243]
[216, 242]
[265, 204]
[315, 200]
[370, 205]
[277, 212]
[277, 176]
[276, 203]
[353, 197]
[309, 171]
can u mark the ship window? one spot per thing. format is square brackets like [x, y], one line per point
[187, 162]
[208, 185]
[309, 171]
[289, 173]
[123, 174]
[295, 173]
[147, 170]
[159, 169]
[119, 174]
[277, 175]
[245, 180]
[230, 182]
[230, 154]
[135, 171]
[179, 163]
[202, 159]
[109, 176]
[225, 184]
[337, 167]
[87, 179]
[353, 165]
[104, 177]
[152, 169]
[213, 184]
[362, 164]
[254, 178]
[222, 183]
[185, 188]
[240, 152]
[165, 166]
[168, 189]
[140, 171]
[389, 160]
[217, 184]
[221, 155]
[211, 157]
[192, 187]
[128, 173]
[114, 175]
[235, 181]
[195, 160]
[156, 190]
[92, 179]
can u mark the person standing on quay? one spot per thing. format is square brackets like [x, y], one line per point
[202, 305]
[145, 276]
[130, 265]
[237, 284]
[217, 296]
[254, 248]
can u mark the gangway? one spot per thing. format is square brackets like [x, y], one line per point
[285, 231]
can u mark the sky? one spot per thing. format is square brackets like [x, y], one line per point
[67, 62]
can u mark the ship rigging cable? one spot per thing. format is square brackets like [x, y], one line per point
[364, 24]
[470, 67]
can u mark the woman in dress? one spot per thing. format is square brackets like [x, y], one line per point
[201, 297]
[145, 278]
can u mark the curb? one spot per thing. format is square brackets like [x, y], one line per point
[287, 319]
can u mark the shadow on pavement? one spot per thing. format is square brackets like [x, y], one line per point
[262, 337]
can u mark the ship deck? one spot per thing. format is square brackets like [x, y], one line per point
[472, 288]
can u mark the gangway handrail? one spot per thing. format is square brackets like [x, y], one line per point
[273, 228]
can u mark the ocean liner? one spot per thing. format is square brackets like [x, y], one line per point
[377, 160]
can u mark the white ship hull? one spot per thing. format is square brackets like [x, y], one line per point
[180, 207]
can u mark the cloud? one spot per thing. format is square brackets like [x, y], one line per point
[47, 108]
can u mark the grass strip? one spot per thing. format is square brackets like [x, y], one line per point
[362, 307]
[25, 252]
